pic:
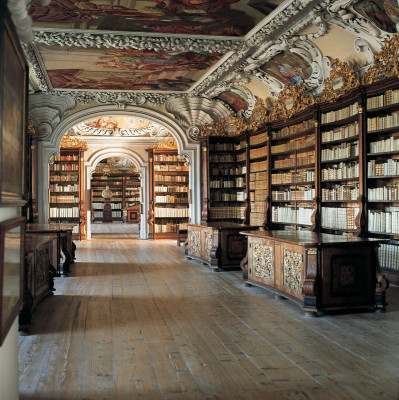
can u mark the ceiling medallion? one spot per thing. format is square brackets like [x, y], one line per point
[385, 64]
[68, 142]
[168, 145]
[291, 100]
[342, 80]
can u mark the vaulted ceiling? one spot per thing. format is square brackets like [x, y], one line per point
[197, 60]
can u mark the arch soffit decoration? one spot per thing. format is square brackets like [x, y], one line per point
[74, 118]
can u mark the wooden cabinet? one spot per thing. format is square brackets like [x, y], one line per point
[38, 275]
[169, 193]
[217, 244]
[66, 188]
[318, 271]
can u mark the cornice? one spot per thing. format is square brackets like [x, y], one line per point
[141, 42]
[35, 67]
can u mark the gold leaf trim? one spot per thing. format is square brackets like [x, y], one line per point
[259, 116]
[68, 142]
[168, 145]
[291, 101]
[229, 127]
[106, 169]
[342, 80]
[385, 63]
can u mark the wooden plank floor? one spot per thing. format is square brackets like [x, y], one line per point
[135, 320]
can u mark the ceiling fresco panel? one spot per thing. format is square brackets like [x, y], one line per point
[123, 69]
[192, 17]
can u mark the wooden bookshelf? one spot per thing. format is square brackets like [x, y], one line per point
[66, 203]
[169, 193]
[125, 188]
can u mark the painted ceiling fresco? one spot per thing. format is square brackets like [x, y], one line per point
[234, 100]
[123, 69]
[192, 17]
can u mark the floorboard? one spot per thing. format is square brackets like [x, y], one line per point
[135, 320]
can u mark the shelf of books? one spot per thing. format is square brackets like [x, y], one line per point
[169, 192]
[227, 179]
[292, 152]
[125, 189]
[258, 177]
[382, 147]
[340, 169]
[65, 190]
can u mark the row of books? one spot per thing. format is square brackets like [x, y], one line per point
[229, 171]
[170, 178]
[64, 199]
[171, 212]
[292, 215]
[64, 212]
[219, 158]
[98, 193]
[340, 171]
[167, 157]
[97, 214]
[165, 228]
[388, 256]
[171, 199]
[258, 166]
[64, 167]
[258, 176]
[170, 167]
[64, 178]
[258, 195]
[256, 219]
[296, 144]
[339, 217]
[390, 144]
[386, 221]
[389, 192]
[341, 192]
[258, 206]
[258, 139]
[67, 157]
[240, 146]
[64, 188]
[241, 157]
[221, 146]
[387, 168]
[302, 193]
[293, 177]
[343, 113]
[294, 129]
[295, 160]
[238, 182]
[258, 152]
[342, 132]
[227, 212]
[223, 196]
[257, 185]
[385, 99]
[344, 150]
[181, 189]
[385, 122]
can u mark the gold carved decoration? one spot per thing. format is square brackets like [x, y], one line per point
[263, 261]
[342, 79]
[132, 170]
[291, 100]
[32, 130]
[106, 169]
[385, 63]
[229, 127]
[259, 116]
[292, 270]
[68, 142]
[168, 145]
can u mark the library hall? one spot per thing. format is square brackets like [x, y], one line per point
[199, 200]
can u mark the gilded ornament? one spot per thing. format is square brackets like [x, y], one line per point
[342, 80]
[106, 169]
[68, 142]
[385, 63]
[259, 116]
[168, 145]
[291, 100]
[228, 127]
